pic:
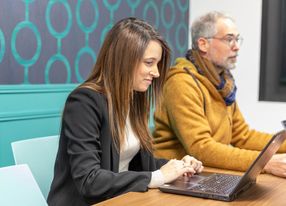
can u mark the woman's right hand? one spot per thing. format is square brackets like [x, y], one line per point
[174, 169]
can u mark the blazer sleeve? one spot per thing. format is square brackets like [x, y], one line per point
[145, 161]
[82, 124]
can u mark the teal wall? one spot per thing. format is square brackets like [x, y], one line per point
[29, 111]
[48, 47]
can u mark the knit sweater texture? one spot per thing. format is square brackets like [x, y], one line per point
[195, 120]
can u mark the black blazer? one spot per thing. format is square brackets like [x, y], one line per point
[86, 168]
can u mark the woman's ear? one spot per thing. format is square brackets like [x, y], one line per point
[203, 44]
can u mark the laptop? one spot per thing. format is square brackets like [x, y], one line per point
[225, 187]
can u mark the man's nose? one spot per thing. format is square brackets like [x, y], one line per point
[235, 46]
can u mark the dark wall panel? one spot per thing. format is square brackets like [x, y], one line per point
[57, 41]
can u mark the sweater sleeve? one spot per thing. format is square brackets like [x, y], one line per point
[246, 138]
[190, 125]
[82, 124]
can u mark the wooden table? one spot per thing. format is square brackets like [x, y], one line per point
[269, 190]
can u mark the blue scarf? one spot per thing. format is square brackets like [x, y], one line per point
[223, 80]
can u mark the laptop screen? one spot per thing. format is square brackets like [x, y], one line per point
[266, 154]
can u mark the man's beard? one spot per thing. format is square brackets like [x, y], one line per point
[228, 66]
[232, 66]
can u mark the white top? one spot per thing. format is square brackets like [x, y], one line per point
[130, 148]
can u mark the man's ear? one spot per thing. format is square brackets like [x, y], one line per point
[203, 44]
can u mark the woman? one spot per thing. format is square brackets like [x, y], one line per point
[105, 146]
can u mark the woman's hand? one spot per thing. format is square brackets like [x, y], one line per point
[190, 161]
[176, 168]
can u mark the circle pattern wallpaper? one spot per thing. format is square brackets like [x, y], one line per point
[57, 41]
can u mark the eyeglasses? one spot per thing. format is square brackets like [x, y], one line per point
[229, 40]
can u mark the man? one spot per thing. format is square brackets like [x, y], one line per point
[199, 114]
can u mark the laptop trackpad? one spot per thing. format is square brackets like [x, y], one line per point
[188, 182]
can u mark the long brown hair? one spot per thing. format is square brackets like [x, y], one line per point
[113, 74]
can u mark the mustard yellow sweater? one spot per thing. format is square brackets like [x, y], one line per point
[217, 135]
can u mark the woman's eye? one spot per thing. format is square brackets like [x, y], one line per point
[148, 63]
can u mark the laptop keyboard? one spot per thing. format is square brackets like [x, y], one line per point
[222, 184]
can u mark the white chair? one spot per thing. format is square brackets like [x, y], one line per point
[18, 187]
[39, 154]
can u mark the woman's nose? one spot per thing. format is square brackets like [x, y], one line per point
[155, 72]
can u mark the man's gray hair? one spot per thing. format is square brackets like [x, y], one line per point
[205, 26]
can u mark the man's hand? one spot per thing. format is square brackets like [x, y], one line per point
[277, 165]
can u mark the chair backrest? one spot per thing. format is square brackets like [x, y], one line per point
[39, 154]
[18, 187]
